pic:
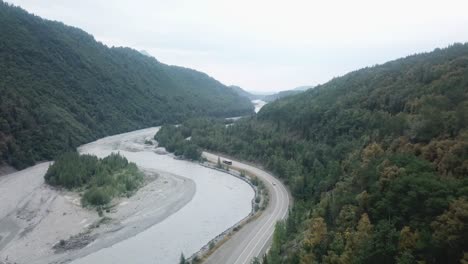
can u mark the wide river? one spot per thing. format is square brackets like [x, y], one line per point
[220, 201]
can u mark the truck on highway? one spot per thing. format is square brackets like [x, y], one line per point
[227, 162]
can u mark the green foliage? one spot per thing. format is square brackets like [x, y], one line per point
[278, 237]
[97, 196]
[175, 140]
[256, 260]
[182, 259]
[71, 170]
[451, 230]
[255, 181]
[61, 88]
[376, 161]
[101, 179]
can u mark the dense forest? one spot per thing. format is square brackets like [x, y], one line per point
[177, 141]
[377, 161]
[278, 95]
[60, 88]
[100, 179]
[244, 93]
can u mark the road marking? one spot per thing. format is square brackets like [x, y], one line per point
[277, 211]
[269, 235]
[274, 213]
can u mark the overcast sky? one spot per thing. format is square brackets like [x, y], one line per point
[266, 45]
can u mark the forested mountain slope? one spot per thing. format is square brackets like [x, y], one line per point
[377, 161]
[278, 95]
[244, 93]
[60, 88]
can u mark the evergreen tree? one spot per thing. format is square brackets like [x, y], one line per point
[182, 259]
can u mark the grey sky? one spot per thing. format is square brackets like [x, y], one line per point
[267, 45]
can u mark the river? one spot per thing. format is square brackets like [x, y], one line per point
[220, 201]
[258, 104]
[179, 212]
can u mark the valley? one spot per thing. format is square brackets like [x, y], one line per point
[110, 156]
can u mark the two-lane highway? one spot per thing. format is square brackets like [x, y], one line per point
[254, 238]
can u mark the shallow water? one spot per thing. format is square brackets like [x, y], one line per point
[258, 104]
[220, 201]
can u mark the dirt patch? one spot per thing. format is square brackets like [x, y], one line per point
[74, 242]
[5, 169]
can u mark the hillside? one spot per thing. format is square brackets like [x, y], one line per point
[270, 97]
[244, 93]
[376, 161]
[304, 88]
[281, 94]
[278, 95]
[61, 88]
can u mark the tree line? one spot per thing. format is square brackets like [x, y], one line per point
[99, 179]
[177, 141]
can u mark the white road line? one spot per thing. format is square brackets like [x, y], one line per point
[258, 232]
[269, 224]
[277, 212]
[271, 234]
[269, 227]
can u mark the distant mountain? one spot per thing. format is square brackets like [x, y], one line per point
[304, 88]
[273, 97]
[60, 88]
[244, 93]
[281, 94]
[259, 93]
[276, 96]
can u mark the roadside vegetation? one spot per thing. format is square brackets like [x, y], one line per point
[176, 141]
[100, 180]
[376, 161]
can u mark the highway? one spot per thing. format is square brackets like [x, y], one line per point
[253, 239]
